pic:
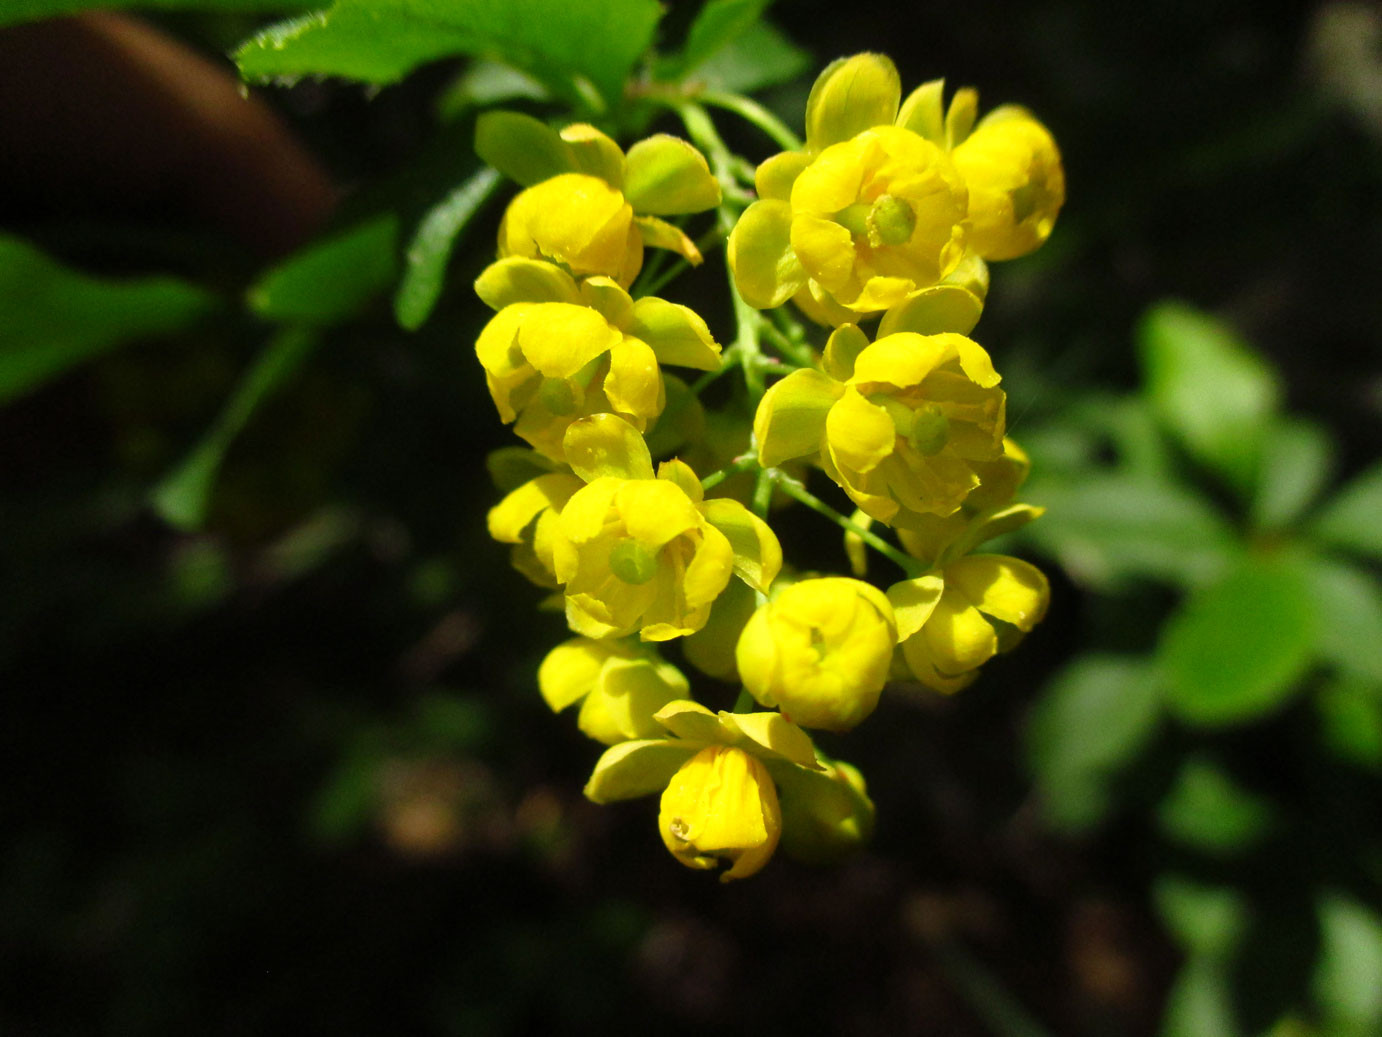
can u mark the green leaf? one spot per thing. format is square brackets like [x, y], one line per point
[1351, 520]
[1200, 1003]
[581, 51]
[1212, 391]
[1207, 921]
[53, 318]
[1297, 459]
[430, 250]
[1093, 718]
[1350, 717]
[1237, 648]
[486, 83]
[1206, 810]
[330, 280]
[1348, 974]
[1348, 608]
[183, 496]
[1107, 528]
[718, 24]
[759, 57]
[14, 11]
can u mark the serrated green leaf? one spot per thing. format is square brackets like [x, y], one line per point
[14, 11]
[582, 52]
[1352, 519]
[1237, 649]
[1107, 528]
[183, 496]
[1093, 718]
[1348, 607]
[1208, 811]
[332, 279]
[53, 318]
[430, 250]
[1297, 460]
[1208, 387]
[759, 57]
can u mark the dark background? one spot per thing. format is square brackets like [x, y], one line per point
[291, 775]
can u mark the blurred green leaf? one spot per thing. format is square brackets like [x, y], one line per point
[330, 280]
[1237, 648]
[1094, 717]
[53, 318]
[1348, 975]
[1207, 921]
[759, 57]
[1352, 520]
[486, 83]
[1297, 460]
[581, 51]
[183, 496]
[1105, 528]
[718, 23]
[13, 11]
[1350, 713]
[1200, 1003]
[1209, 388]
[1206, 810]
[431, 247]
[1348, 608]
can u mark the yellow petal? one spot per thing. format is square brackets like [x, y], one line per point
[757, 553]
[957, 636]
[1009, 589]
[593, 152]
[666, 176]
[775, 176]
[766, 271]
[638, 768]
[518, 279]
[654, 511]
[825, 249]
[604, 446]
[721, 804]
[570, 670]
[850, 96]
[913, 601]
[790, 420]
[510, 517]
[559, 339]
[861, 434]
[634, 382]
[709, 570]
[676, 334]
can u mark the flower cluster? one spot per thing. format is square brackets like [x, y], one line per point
[649, 516]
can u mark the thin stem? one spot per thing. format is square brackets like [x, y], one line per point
[712, 238]
[794, 489]
[763, 493]
[740, 464]
[744, 703]
[753, 112]
[798, 353]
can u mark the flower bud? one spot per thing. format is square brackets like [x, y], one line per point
[721, 805]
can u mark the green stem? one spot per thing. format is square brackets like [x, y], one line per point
[983, 992]
[798, 353]
[752, 111]
[744, 703]
[794, 489]
[740, 464]
[657, 281]
[763, 493]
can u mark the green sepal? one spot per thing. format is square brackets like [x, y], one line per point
[842, 348]
[771, 735]
[933, 311]
[594, 153]
[776, 175]
[524, 149]
[923, 112]
[666, 176]
[711, 648]
[991, 523]
[676, 334]
[826, 815]
[608, 299]
[661, 234]
[638, 768]
[765, 266]
[757, 553]
[959, 119]
[791, 416]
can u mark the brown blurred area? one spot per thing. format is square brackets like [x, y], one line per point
[105, 115]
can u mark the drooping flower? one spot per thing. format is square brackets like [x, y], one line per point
[716, 776]
[557, 351]
[1016, 183]
[946, 618]
[820, 651]
[900, 424]
[620, 686]
[645, 554]
[589, 206]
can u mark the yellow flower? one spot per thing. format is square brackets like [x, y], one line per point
[526, 518]
[946, 618]
[589, 206]
[887, 195]
[900, 424]
[825, 814]
[820, 651]
[1016, 183]
[557, 351]
[721, 805]
[620, 687]
[718, 777]
[648, 555]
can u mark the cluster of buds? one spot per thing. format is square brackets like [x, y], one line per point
[890, 211]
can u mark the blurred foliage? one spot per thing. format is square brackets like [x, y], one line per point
[272, 694]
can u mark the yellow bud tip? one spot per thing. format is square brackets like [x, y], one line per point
[930, 430]
[632, 562]
[890, 221]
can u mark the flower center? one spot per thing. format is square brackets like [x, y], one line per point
[557, 396]
[930, 430]
[888, 221]
[633, 562]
